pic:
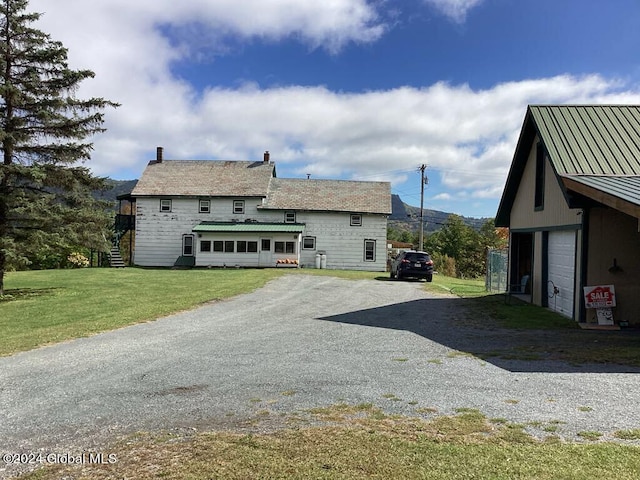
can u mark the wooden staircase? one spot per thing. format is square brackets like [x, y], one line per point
[115, 259]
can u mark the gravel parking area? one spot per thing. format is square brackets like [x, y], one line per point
[300, 342]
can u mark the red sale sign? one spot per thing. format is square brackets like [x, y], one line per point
[600, 296]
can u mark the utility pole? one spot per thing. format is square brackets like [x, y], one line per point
[423, 180]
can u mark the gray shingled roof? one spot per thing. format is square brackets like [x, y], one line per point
[329, 195]
[204, 178]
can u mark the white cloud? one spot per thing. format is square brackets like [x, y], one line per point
[456, 10]
[467, 136]
[441, 196]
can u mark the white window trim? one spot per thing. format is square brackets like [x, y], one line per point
[166, 202]
[309, 238]
[356, 220]
[285, 244]
[238, 207]
[365, 250]
[287, 220]
[202, 204]
[184, 244]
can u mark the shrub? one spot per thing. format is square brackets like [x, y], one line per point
[444, 264]
[77, 260]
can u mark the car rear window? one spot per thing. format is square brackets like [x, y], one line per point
[417, 257]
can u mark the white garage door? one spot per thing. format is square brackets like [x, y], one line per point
[561, 271]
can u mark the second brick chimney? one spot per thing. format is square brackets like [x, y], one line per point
[266, 157]
[159, 154]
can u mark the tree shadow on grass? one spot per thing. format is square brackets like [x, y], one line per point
[25, 293]
[464, 325]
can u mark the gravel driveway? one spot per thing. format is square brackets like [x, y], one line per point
[299, 342]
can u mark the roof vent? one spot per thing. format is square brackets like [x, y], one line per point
[266, 157]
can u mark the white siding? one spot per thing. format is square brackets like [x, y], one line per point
[159, 234]
[343, 243]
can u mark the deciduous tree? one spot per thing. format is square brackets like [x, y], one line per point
[44, 133]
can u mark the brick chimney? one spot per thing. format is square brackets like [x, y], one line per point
[159, 154]
[266, 157]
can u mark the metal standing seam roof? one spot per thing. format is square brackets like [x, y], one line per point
[597, 145]
[328, 195]
[590, 139]
[249, 227]
[621, 193]
[624, 188]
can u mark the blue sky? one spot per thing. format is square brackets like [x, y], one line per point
[351, 89]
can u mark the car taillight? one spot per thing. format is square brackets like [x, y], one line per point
[404, 260]
[430, 262]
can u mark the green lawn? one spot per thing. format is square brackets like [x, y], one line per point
[43, 307]
[361, 442]
[461, 287]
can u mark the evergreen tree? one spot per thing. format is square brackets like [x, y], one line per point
[44, 191]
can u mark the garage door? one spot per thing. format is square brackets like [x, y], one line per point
[561, 271]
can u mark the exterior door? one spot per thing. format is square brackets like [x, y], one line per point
[265, 256]
[561, 267]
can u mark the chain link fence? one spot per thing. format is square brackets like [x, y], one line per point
[497, 265]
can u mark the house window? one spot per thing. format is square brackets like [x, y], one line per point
[308, 243]
[165, 205]
[369, 250]
[539, 187]
[289, 217]
[238, 207]
[356, 220]
[205, 245]
[229, 246]
[187, 245]
[252, 247]
[265, 245]
[205, 206]
[241, 246]
[218, 246]
[284, 247]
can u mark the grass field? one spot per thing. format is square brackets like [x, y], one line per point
[43, 307]
[361, 441]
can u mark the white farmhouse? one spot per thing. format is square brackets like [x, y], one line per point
[210, 213]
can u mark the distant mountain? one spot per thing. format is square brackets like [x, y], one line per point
[407, 217]
[118, 187]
